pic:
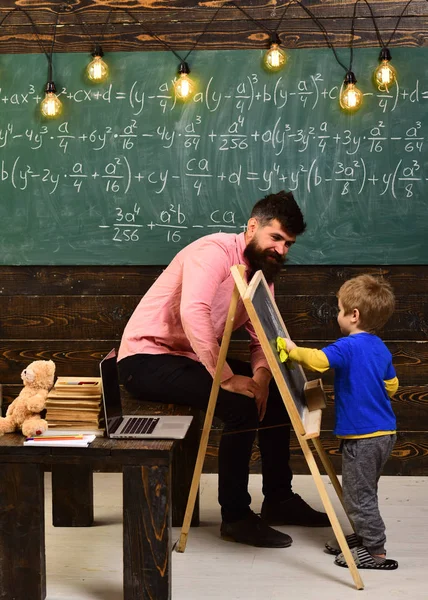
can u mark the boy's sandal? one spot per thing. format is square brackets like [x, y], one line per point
[332, 546]
[364, 560]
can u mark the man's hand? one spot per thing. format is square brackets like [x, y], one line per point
[239, 384]
[262, 377]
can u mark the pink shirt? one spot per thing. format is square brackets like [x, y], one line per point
[184, 312]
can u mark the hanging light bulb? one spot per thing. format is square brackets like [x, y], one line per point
[97, 70]
[184, 87]
[275, 58]
[351, 97]
[51, 105]
[385, 75]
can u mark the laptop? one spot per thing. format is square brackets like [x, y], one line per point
[134, 426]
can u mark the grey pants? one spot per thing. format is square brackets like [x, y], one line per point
[362, 464]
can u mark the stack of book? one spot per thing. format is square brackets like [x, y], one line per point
[74, 403]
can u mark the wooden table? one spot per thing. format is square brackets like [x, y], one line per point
[146, 467]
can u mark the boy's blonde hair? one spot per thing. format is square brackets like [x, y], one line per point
[373, 297]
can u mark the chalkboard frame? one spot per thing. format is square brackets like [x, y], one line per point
[291, 382]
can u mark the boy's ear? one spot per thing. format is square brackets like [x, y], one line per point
[355, 315]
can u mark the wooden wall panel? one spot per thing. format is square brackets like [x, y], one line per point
[181, 23]
[71, 317]
[75, 315]
[409, 457]
[82, 356]
[307, 280]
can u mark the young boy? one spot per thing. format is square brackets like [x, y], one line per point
[364, 382]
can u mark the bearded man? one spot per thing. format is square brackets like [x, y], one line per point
[169, 351]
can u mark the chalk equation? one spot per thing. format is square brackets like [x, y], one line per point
[129, 174]
[139, 96]
[127, 226]
[281, 137]
[118, 178]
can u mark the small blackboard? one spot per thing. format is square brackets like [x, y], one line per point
[291, 380]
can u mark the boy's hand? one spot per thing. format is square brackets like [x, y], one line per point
[283, 347]
[290, 345]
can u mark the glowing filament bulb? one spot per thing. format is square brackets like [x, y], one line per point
[184, 87]
[51, 105]
[385, 75]
[97, 70]
[275, 58]
[351, 97]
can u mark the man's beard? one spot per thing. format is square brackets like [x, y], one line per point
[268, 261]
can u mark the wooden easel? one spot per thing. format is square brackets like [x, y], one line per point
[306, 422]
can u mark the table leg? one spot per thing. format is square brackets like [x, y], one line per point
[146, 532]
[72, 496]
[22, 532]
[184, 459]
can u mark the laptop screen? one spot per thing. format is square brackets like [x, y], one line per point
[111, 389]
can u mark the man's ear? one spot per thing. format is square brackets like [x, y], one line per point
[252, 226]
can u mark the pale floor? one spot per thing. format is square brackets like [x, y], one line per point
[86, 563]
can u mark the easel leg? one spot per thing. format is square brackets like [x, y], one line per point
[181, 545]
[329, 469]
[307, 452]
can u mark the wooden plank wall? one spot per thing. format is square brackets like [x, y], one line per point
[74, 315]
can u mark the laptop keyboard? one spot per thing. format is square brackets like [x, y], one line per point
[139, 425]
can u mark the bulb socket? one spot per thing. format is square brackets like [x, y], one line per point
[275, 39]
[184, 68]
[350, 78]
[98, 51]
[385, 54]
[50, 87]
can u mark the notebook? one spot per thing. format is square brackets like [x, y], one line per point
[134, 426]
[51, 439]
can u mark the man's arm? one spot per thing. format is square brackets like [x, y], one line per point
[203, 273]
[257, 356]
[262, 377]
[261, 371]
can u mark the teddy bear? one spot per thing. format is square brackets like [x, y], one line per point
[24, 412]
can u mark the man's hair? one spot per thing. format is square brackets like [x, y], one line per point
[374, 298]
[283, 207]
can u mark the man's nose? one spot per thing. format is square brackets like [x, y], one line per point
[282, 248]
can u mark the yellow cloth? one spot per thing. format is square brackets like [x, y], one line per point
[281, 348]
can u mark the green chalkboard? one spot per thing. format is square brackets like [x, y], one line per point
[126, 176]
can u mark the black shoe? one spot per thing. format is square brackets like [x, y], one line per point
[255, 532]
[294, 511]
